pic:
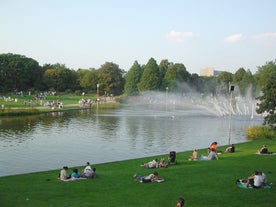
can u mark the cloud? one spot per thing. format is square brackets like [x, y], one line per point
[266, 36]
[181, 36]
[234, 38]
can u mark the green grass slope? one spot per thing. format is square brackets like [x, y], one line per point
[202, 183]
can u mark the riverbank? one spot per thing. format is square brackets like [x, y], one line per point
[209, 183]
[17, 107]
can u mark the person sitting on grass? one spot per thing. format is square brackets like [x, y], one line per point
[264, 150]
[180, 202]
[231, 148]
[151, 164]
[75, 174]
[194, 155]
[146, 179]
[63, 175]
[88, 172]
[255, 180]
[162, 163]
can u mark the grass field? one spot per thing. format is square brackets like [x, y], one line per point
[202, 183]
[28, 105]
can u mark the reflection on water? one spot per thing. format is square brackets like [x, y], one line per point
[49, 141]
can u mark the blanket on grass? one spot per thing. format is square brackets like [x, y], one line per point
[240, 184]
[270, 153]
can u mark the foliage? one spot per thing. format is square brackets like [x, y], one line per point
[111, 79]
[18, 73]
[88, 79]
[132, 78]
[260, 133]
[223, 80]
[59, 78]
[150, 80]
[243, 79]
[263, 74]
[175, 75]
[268, 98]
[115, 185]
[163, 67]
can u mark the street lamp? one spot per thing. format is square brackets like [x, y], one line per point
[98, 86]
[231, 89]
[167, 88]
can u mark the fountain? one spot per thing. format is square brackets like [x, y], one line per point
[174, 104]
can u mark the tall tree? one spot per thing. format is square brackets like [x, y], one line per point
[163, 67]
[111, 78]
[132, 78]
[223, 81]
[18, 73]
[59, 78]
[175, 76]
[263, 73]
[150, 79]
[244, 80]
[268, 98]
[88, 79]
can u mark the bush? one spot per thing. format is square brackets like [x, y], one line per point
[260, 132]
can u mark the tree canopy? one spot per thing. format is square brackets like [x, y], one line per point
[150, 80]
[268, 98]
[20, 73]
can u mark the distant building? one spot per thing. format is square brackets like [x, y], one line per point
[209, 72]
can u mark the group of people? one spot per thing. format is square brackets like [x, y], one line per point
[88, 172]
[256, 180]
[212, 152]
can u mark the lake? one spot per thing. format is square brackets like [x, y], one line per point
[50, 141]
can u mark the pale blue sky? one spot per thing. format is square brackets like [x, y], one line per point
[85, 34]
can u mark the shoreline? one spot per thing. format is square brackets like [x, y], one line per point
[188, 152]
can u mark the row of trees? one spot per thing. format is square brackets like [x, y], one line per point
[20, 73]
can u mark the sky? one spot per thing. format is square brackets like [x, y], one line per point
[223, 34]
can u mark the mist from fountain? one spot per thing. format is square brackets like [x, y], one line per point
[193, 103]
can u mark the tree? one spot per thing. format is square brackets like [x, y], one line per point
[111, 78]
[59, 78]
[150, 79]
[18, 73]
[88, 79]
[175, 76]
[223, 81]
[268, 98]
[132, 78]
[263, 73]
[163, 67]
[243, 79]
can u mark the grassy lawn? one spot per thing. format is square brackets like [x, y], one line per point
[202, 183]
[14, 105]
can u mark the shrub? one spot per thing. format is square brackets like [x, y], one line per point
[260, 132]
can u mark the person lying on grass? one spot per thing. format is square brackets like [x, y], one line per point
[151, 164]
[149, 178]
[212, 156]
